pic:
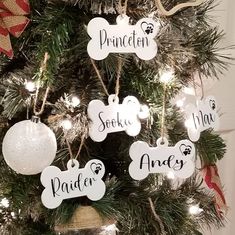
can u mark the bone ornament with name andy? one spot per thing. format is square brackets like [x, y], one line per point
[122, 37]
[201, 117]
[115, 117]
[74, 182]
[178, 159]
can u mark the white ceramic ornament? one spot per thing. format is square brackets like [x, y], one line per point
[115, 117]
[29, 146]
[122, 37]
[201, 117]
[74, 182]
[178, 159]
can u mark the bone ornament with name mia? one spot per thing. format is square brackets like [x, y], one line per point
[122, 37]
[74, 182]
[201, 117]
[115, 117]
[178, 159]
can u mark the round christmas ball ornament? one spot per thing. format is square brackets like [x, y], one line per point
[29, 146]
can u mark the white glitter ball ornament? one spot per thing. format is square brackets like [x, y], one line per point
[29, 146]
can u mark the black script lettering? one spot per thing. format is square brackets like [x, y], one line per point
[65, 187]
[142, 163]
[203, 119]
[101, 127]
[80, 184]
[77, 183]
[196, 121]
[103, 38]
[118, 122]
[171, 163]
[55, 181]
[178, 165]
[132, 40]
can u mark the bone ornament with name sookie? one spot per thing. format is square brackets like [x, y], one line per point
[122, 37]
[201, 117]
[74, 182]
[178, 159]
[115, 117]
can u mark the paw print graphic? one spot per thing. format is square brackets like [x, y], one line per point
[98, 169]
[149, 29]
[212, 104]
[185, 149]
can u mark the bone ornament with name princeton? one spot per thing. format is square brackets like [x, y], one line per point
[122, 37]
[201, 117]
[115, 117]
[74, 182]
[178, 159]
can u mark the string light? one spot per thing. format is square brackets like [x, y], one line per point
[30, 86]
[66, 124]
[180, 103]
[195, 210]
[4, 203]
[167, 76]
[109, 229]
[13, 215]
[170, 175]
[75, 101]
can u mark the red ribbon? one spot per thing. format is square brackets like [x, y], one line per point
[12, 21]
[212, 179]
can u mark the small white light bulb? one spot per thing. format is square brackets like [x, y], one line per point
[167, 76]
[75, 101]
[170, 175]
[30, 86]
[66, 124]
[13, 215]
[4, 203]
[195, 210]
[110, 228]
[180, 103]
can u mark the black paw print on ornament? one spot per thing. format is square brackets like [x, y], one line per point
[212, 104]
[96, 168]
[185, 149]
[149, 29]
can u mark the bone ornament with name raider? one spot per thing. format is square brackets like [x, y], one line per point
[201, 117]
[115, 117]
[178, 159]
[74, 182]
[122, 37]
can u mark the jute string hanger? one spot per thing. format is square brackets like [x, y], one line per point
[42, 70]
[177, 8]
[119, 70]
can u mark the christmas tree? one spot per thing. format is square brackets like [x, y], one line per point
[67, 66]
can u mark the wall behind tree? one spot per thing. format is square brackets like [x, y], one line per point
[223, 90]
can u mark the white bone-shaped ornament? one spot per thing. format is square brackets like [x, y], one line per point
[122, 37]
[178, 159]
[201, 117]
[74, 182]
[115, 117]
